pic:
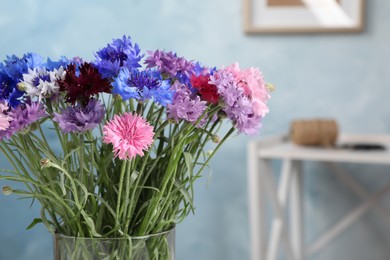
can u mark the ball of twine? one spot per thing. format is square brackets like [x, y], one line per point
[322, 132]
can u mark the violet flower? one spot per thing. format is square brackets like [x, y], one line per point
[22, 117]
[168, 63]
[237, 106]
[80, 118]
[185, 105]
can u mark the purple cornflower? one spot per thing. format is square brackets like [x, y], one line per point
[121, 53]
[237, 106]
[169, 64]
[22, 117]
[142, 85]
[185, 105]
[80, 118]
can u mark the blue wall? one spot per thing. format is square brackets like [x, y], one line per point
[343, 76]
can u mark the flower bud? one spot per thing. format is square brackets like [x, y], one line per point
[171, 121]
[7, 190]
[270, 87]
[25, 130]
[72, 145]
[221, 114]
[209, 152]
[21, 86]
[118, 97]
[215, 139]
[44, 162]
[34, 126]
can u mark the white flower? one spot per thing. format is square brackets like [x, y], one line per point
[42, 83]
[57, 74]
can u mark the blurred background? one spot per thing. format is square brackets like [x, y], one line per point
[340, 76]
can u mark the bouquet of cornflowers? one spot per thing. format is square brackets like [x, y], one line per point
[110, 147]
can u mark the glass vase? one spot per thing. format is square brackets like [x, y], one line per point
[160, 246]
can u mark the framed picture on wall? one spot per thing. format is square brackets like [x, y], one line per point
[300, 16]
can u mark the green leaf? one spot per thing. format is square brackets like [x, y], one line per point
[85, 191]
[134, 176]
[34, 222]
[90, 224]
[189, 162]
[62, 183]
[8, 171]
[185, 194]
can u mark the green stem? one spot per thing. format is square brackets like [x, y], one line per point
[127, 195]
[215, 150]
[121, 179]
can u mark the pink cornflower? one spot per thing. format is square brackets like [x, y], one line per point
[4, 118]
[129, 134]
[252, 82]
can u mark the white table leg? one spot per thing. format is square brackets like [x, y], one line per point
[278, 196]
[296, 211]
[256, 204]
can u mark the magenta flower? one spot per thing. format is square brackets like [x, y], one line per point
[129, 134]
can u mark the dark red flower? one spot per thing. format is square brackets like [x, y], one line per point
[81, 85]
[206, 91]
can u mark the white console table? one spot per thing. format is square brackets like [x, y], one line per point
[261, 185]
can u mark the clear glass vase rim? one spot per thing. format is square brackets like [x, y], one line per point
[59, 235]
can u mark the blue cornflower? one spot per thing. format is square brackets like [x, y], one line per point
[121, 53]
[143, 85]
[162, 95]
[121, 87]
[142, 80]
[33, 60]
[6, 85]
[62, 62]
[15, 66]
[11, 73]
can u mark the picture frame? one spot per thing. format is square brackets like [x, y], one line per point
[303, 16]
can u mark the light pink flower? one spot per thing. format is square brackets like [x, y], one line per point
[252, 82]
[4, 118]
[129, 134]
